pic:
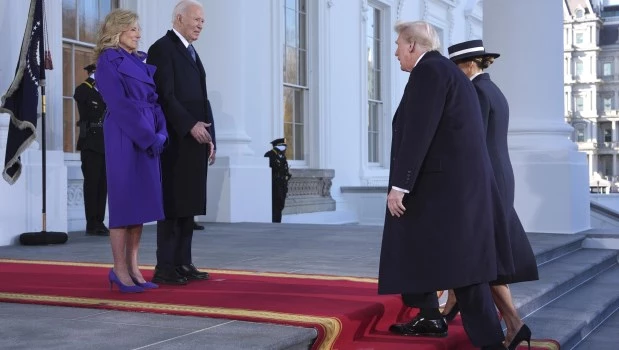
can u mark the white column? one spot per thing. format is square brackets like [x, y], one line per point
[239, 183]
[551, 175]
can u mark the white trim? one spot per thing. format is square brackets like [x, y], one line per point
[472, 49]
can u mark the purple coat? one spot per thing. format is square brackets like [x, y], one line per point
[132, 122]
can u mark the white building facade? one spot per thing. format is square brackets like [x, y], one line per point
[591, 62]
[321, 73]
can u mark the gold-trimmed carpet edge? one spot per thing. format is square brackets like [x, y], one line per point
[332, 326]
[222, 271]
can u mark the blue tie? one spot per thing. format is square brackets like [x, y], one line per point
[192, 52]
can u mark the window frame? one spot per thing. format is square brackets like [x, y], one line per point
[376, 172]
[306, 90]
[75, 44]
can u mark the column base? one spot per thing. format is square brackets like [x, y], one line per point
[552, 190]
[239, 189]
[21, 210]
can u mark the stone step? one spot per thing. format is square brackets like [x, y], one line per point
[604, 337]
[559, 276]
[548, 247]
[573, 315]
[68, 328]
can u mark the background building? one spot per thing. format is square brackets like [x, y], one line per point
[591, 38]
[323, 74]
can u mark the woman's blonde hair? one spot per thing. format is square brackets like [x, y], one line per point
[114, 24]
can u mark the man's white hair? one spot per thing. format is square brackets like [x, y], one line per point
[181, 8]
[421, 32]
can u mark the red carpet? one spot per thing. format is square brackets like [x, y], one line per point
[345, 310]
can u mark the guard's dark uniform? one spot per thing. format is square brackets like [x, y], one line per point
[92, 110]
[280, 176]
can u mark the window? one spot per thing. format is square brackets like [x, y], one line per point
[296, 87]
[579, 104]
[607, 69]
[579, 68]
[608, 104]
[580, 135]
[608, 135]
[580, 38]
[374, 64]
[579, 13]
[80, 23]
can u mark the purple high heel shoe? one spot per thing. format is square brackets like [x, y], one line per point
[123, 288]
[145, 285]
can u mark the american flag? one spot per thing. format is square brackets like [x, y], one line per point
[21, 100]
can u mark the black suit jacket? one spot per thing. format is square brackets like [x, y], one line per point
[181, 86]
[91, 109]
[453, 225]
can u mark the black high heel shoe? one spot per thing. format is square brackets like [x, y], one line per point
[452, 313]
[524, 333]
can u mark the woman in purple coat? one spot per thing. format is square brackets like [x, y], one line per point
[135, 134]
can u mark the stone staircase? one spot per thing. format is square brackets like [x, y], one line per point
[576, 299]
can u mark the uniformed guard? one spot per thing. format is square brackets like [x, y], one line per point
[279, 176]
[90, 143]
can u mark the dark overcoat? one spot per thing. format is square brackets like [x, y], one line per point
[495, 115]
[181, 85]
[131, 125]
[453, 225]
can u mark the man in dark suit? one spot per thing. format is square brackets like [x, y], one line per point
[444, 217]
[181, 86]
[91, 109]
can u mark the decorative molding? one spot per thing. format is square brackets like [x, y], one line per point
[473, 14]
[399, 9]
[440, 14]
[75, 193]
[364, 10]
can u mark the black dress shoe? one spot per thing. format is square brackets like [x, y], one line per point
[421, 327]
[103, 228]
[163, 276]
[191, 273]
[97, 232]
[197, 227]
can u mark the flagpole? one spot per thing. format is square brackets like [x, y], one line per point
[43, 237]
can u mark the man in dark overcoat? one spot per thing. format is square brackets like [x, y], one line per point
[181, 86]
[91, 109]
[444, 219]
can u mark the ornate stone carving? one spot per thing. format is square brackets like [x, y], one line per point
[75, 193]
[309, 190]
[330, 3]
[364, 10]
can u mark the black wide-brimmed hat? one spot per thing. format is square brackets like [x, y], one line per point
[469, 49]
[90, 68]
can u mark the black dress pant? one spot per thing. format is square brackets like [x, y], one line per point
[479, 315]
[95, 187]
[174, 238]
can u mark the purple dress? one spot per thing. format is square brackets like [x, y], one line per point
[132, 122]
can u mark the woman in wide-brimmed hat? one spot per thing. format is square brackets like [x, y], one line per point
[472, 59]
